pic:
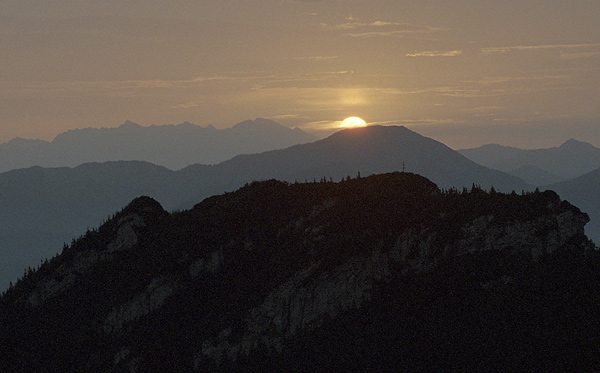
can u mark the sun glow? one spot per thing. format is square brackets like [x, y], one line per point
[353, 122]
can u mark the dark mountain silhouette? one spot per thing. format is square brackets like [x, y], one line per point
[369, 150]
[572, 159]
[370, 274]
[58, 204]
[172, 146]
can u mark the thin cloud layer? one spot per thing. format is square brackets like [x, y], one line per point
[536, 47]
[357, 29]
[453, 53]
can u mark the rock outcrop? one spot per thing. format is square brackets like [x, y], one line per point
[300, 304]
[311, 296]
[122, 236]
[150, 299]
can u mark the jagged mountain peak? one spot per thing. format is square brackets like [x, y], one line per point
[496, 147]
[144, 205]
[573, 144]
[257, 123]
[19, 141]
[383, 136]
[258, 127]
[129, 125]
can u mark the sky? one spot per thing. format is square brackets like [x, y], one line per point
[522, 73]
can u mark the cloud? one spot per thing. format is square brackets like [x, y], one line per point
[317, 58]
[394, 33]
[509, 86]
[442, 91]
[234, 81]
[356, 25]
[536, 47]
[185, 105]
[572, 56]
[453, 53]
[315, 80]
[325, 89]
[121, 85]
[511, 79]
[285, 116]
[487, 87]
[380, 28]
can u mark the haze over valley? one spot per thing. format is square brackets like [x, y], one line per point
[61, 203]
[46, 207]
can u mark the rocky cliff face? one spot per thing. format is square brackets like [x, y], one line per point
[250, 272]
[313, 295]
[122, 236]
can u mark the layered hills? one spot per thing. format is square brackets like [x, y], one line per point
[539, 166]
[171, 146]
[44, 207]
[571, 169]
[377, 273]
[369, 150]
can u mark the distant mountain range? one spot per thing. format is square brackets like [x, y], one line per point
[43, 207]
[172, 146]
[572, 170]
[539, 166]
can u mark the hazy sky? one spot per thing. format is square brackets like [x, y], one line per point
[465, 72]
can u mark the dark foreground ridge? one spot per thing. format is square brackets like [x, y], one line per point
[373, 273]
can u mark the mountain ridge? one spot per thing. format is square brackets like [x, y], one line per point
[69, 200]
[571, 159]
[172, 146]
[278, 275]
[388, 147]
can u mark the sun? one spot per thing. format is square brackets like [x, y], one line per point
[353, 122]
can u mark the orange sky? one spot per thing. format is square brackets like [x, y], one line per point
[522, 73]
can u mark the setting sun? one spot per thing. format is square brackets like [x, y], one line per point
[353, 122]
